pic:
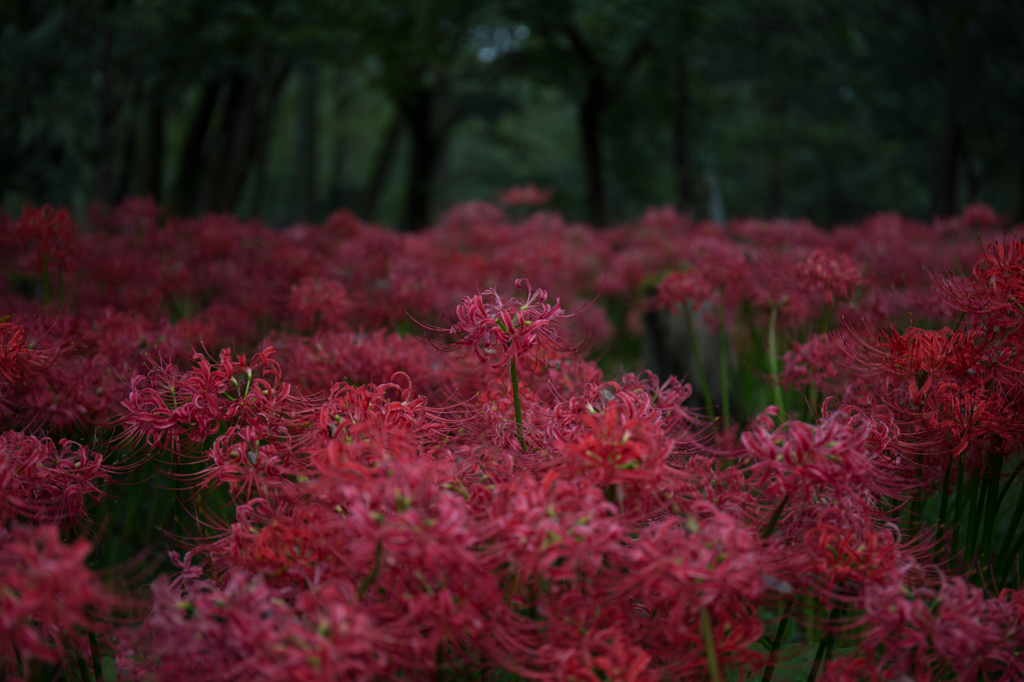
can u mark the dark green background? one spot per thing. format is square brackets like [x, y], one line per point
[398, 109]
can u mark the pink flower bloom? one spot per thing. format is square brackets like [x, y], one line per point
[45, 482]
[525, 195]
[500, 331]
[46, 593]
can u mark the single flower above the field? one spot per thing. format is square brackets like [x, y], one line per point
[500, 331]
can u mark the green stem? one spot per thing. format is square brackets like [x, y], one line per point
[723, 370]
[97, 661]
[996, 465]
[780, 633]
[1004, 551]
[823, 648]
[958, 515]
[709, 645]
[944, 501]
[1014, 553]
[695, 347]
[518, 405]
[774, 520]
[1009, 483]
[977, 504]
[773, 357]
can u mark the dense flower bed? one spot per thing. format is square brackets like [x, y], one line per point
[375, 455]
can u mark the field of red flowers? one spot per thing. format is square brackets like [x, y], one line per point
[338, 452]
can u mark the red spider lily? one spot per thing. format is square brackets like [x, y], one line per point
[995, 289]
[166, 404]
[246, 631]
[498, 331]
[841, 549]
[368, 425]
[319, 304]
[857, 668]
[316, 363]
[831, 274]
[928, 632]
[610, 448]
[804, 460]
[551, 530]
[818, 363]
[46, 594]
[45, 482]
[688, 287]
[601, 654]
[51, 234]
[525, 195]
[21, 359]
[677, 567]
[253, 461]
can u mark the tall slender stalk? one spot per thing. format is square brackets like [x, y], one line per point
[958, 513]
[944, 501]
[1005, 554]
[995, 461]
[977, 504]
[774, 520]
[773, 357]
[780, 633]
[824, 646]
[723, 371]
[714, 672]
[695, 346]
[518, 405]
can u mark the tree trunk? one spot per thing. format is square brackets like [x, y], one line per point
[1019, 217]
[230, 145]
[774, 189]
[944, 197]
[680, 139]
[305, 196]
[593, 163]
[155, 151]
[278, 74]
[418, 112]
[127, 167]
[190, 168]
[381, 169]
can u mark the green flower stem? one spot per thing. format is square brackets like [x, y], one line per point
[1004, 551]
[944, 501]
[780, 633]
[773, 357]
[97, 660]
[518, 405]
[709, 645]
[995, 461]
[958, 514]
[1009, 483]
[774, 520]
[723, 370]
[1014, 553]
[823, 648]
[977, 504]
[695, 346]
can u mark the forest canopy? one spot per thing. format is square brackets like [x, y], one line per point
[397, 109]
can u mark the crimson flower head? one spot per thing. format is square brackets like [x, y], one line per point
[833, 274]
[526, 195]
[498, 331]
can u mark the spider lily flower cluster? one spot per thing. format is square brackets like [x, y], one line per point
[341, 501]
